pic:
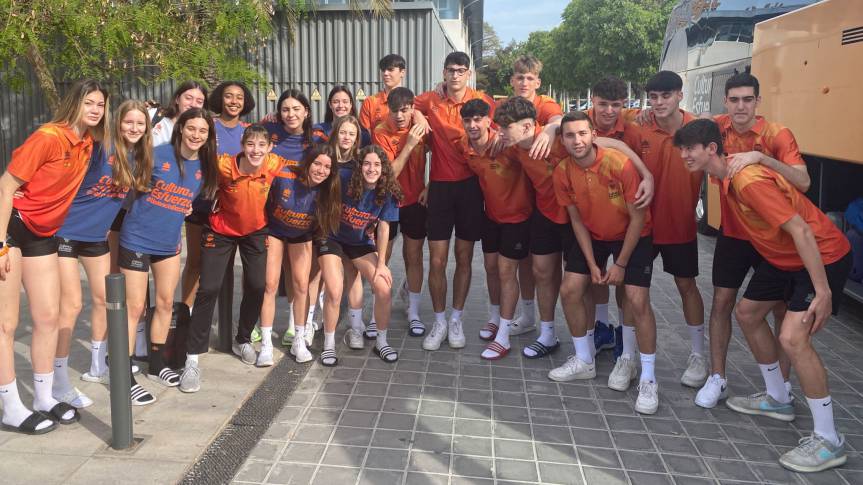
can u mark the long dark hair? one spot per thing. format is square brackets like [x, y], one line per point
[307, 123]
[206, 154]
[173, 109]
[69, 110]
[386, 184]
[329, 198]
[330, 116]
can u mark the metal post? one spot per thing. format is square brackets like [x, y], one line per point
[226, 308]
[118, 351]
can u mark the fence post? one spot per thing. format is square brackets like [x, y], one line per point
[118, 351]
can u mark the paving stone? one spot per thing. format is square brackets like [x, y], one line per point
[439, 443]
[524, 471]
[344, 456]
[352, 436]
[429, 462]
[378, 477]
[599, 457]
[558, 473]
[386, 458]
[467, 445]
[522, 450]
[605, 476]
[472, 466]
[327, 475]
[648, 462]
[359, 419]
[303, 453]
[516, 431]
[685, 465]
[396, 421]
[387, 438]
[290, 473]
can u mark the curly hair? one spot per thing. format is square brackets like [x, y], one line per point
[386, 184]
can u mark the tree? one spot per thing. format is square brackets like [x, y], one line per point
[150, 40]
[599, 37]
[493, 76]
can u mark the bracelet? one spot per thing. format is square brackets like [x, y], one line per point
[4, 250]
[619, 265]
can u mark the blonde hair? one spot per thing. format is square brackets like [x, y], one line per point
[72, 104]
[137, 178]
[525, 64]
[334, 139]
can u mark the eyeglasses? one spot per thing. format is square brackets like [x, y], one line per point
[457, 72]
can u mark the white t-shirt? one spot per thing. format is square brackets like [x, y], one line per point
[162, 132]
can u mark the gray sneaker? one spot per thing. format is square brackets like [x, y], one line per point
[245, 352]
[762, 404]
[814, 454]
[190, 380]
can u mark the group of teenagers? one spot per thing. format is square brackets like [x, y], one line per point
[551, 197]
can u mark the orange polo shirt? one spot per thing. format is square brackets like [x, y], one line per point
[241, 198]
[600, 192]
[627, 132]
[771, 139]
[676, 189]
[52, 163]
[444, 117]
[505, 187]
[412, 177]
[540, 174]
[374, 111]
[546, 108]
[762, 200]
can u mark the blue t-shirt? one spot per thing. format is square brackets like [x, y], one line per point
[291, 208]
[346, 169]
[97, 202]
[155, 220]
[322, 132]
[229, 140]
[292, 148]
[358, 215]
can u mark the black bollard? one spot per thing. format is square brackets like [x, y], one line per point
[118, 351]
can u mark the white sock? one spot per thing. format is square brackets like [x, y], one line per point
[502, 337]
[822, 414]
[440, 317]
[299, 333]
[373, 319]
[14, 411]
[381, 340]
[774, 382]
[413, 306]
[141, 339]
[321, 300]
[602, 312]
[191, 360]
[494, 314]
[583, 348]
[61, 376]
[311, 315]
[546, 334]
[42, 398]
[98, 350]
[355, 315]
[528, 312]
[330, 340]
[291, 319]
[455, 314]
[788, 387]
[630, 343]
[696, 338]
[590, 333]
[648, 361]
[266, 336]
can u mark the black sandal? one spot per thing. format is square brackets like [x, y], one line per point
[387, 354]
[329, 358]
[28, 426]
[540, 350]
[417, 328]
[61, 409]
[371, 331]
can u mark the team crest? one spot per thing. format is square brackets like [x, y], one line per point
[210, 240]
[286, 194]
[197, 175]
[645, 147]
[166, 166]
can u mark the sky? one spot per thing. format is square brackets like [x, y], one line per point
[511, 19]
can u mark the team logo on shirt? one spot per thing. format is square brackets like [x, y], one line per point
[645, 147]
[286, 194]
[166, 166]
[197, 175]
[209, 240]
[67, 159]
[614, 189]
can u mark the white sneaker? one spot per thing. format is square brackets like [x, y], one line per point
[648, 398]
[696, 371]
[623, 373]
[455, 335]
[436, 336]
[714, 390]
[265, 357]
[309, 335]
[301, 353]
[245, 352]
[354, 339]
[573, 369]
[74, 398]
[521, 325]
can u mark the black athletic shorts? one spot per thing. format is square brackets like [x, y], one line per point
[680, 260]
[335, 248]
[549, 237]
[394, 230]
[135, 261]
[68, 248]
[456, 205]
[294, 240]
[639, 268]
[31, 245]
[118, 221]
[795, 288]
[510, 240]
[732, 259]
[413, 220]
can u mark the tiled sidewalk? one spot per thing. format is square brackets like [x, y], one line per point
[448, 417]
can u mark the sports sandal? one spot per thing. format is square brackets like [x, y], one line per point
[329, 358]
[498, 349]
[28, 426]
[540, 350]
[61, 409]
[166, 377]
[417, 328]
[491, 328]
[371, 331]
[387, 354]
[140, 396]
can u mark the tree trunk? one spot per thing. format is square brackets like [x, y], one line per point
[43, 75]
